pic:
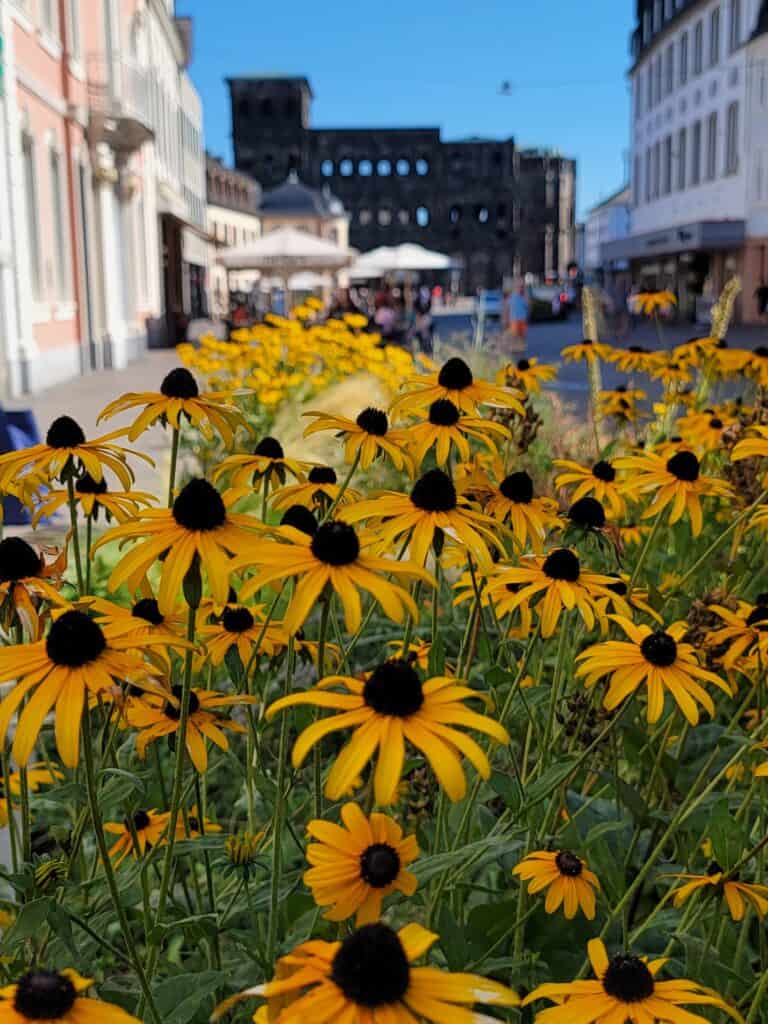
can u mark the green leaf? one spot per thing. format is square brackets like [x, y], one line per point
[549, 781]
[727, 835]
[60, 923]
[508, 788]
[452, 940]
[437, 656]
[119, 784]
[31, 919]
[179, 999]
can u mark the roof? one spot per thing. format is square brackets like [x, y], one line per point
[617, 198]
[293, 199]
[271, 76]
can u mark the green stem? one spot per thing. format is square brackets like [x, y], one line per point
[279, 814]
[101, 842]
[201, 802]
[12, 837]
[317, 773]
[72, 502]
[644, 553]
[88, 535]
[345, 484]
[172, 468]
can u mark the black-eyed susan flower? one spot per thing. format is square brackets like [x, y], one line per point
[744, 634]
[456, 382]
[391, 706]
[600, 480]
[433, 505]
[673, 374]
[268, 460]
[737, 894]
[197, 528]
[675, 480]
[650, 303]
[586, 349]
[501, 594]
[621, 403]
[752, 364]
[566, 878]
[57, 996]
[155, 718]
[657, 659]
[242, 628]
[25, 579]
[320, 490]
[334, 555]
[141, 625]
[635, 359]
[528, 373]
[631, 534]
[357, 864]
[76, 658]
[626, 989]
[704, 430]
[366, 438]
[93, 497]
[622, 599]
[446, 429]
[150, 828]
[242, 851]
[179, 396]
[369, 978]
[753, 447]
[560, 581]
[529, 517]
[66, 454]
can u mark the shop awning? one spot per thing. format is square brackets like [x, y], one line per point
[700, 235]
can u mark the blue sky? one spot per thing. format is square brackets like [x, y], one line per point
[429, 63]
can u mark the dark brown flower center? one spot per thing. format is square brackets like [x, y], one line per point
[335, 543]
[639, 349]
[74, 640]
[199, 507]
[373, 421]
[685, 466]
[179, 383]
[587, 513]
[434, 492]
[761, 351]
[44, 995]
[628, 979]
[269, 447]
[443, 413]
[300, 518]
[322, 475]
[569, 864]
[523, 365]
[379, 865]
[716, 423]
[394, 688]
[604, 471]
[147, 608]
[18, 560]
[714, 869]
[371, 967]
[517, 487]
[237, 620]
[87, 485]
[757, 615]
[64, 432]
[660, 649]
[455, 375]
[173, 712]
[619, 587]
[141, 820]
[562, 564]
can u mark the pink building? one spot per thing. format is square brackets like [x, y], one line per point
[103, 180]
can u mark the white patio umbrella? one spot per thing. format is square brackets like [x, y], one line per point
[286, 251]
[307, 280]
[407, 256]
[364, 268]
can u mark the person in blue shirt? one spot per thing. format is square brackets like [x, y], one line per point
[518, 313]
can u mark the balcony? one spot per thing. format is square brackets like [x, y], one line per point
[118, 101]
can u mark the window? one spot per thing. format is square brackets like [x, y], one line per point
[365, 168]
[422, 216]
[385, 217]
[698, 48]
[403, 216]
[711, 171]
[638, 97]
[73, 7]
[30, 198]
[649, 90]
[648, 175]
[482, 214]
[59, 225]
[666, 170]
[657, 15]
[646, 25]
[682, 58]
[669, 8]
[696, 154]
[637, 183]
[669, 70]
[365, 217]
[326, 168]
[422, 167]
[732, 139]
[657, 77]
[454, 214]
[346, 168]
[682, 154]
[656, 169]
[734, 23]
[403, 167]
[714, 37]
[383, 168]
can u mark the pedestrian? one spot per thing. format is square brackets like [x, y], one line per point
[518, 313]
[761, 295]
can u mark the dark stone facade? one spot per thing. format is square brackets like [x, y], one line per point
[500, 210]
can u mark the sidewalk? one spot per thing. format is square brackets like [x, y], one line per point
[84, 397]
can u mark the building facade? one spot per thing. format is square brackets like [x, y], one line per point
[101, 144]
[699, 149]
[608, 221]
[496, 209]
[233, 202]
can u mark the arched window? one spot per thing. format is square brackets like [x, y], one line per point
[403, 167]
[403, 216]
[326, 168]
[481, 213]
[422, 167]
[365, 217]
[365, 168]
[454, 214]
[346, 168]
[384, 168]
[422, 216]
[384, 217]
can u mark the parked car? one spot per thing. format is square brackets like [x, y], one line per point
[546, 302]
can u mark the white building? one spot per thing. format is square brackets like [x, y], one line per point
[233, 201]
[608, 221]
[699, 149]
